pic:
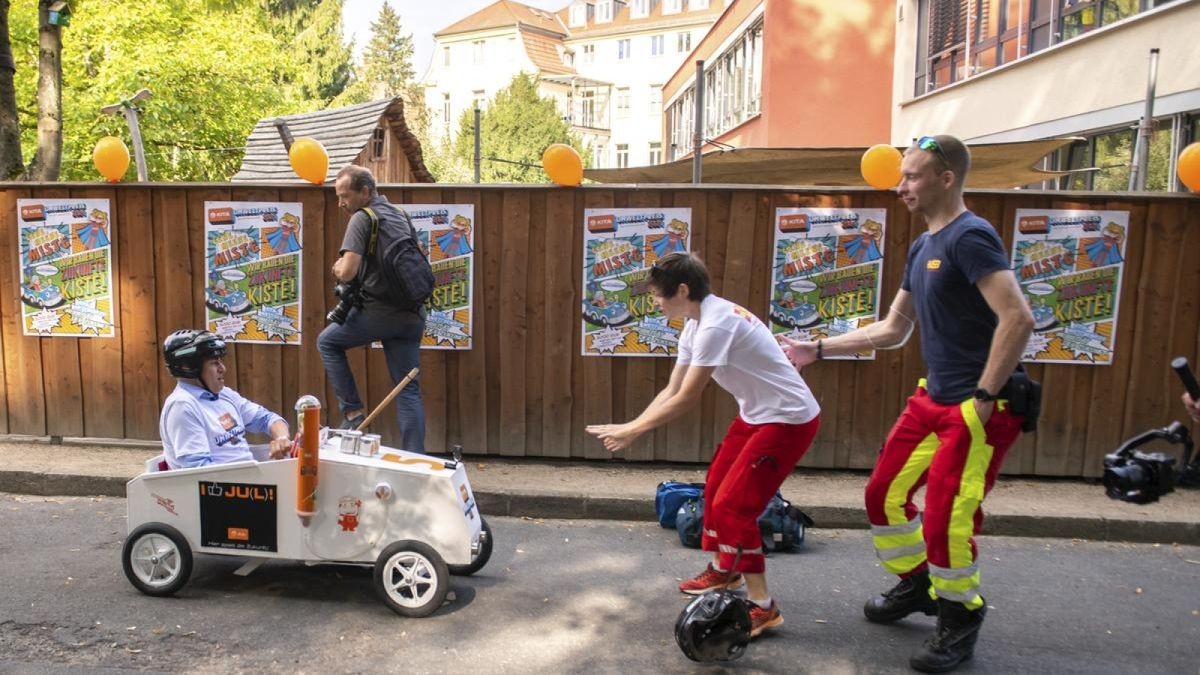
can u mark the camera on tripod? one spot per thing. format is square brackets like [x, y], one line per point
[349, 295]
[1142, 477]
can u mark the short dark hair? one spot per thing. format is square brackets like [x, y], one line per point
[950, 153]
[360, 177]
[680, 268]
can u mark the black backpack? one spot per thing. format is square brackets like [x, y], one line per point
[405, 269]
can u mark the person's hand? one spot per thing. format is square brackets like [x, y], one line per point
[1192, 405]
[616, 437]
[799, 353]
[281, 448]
[984, 410]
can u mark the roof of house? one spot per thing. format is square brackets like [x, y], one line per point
[623, 21]
[505, 13]
[343, 131]
[545, 53]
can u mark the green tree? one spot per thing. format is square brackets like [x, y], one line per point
[517, 126]
[215, 69]
[387, 71]
[311, 32]
[47, 157]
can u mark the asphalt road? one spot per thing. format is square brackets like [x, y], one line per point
[567, 597]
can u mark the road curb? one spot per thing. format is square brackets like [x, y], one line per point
[571, 506]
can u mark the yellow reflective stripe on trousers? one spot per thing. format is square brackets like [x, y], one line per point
[897, 494]
[959, 585]
[970, 490]
[902, 551]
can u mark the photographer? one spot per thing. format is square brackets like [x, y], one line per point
[365, 317]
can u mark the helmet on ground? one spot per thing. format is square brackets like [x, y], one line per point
[184, 351]
[714, 627]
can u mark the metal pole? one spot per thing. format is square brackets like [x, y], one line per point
[698, 132]
[477, 157]
[130, 110]
[1141, 154]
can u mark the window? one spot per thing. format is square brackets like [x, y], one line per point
[589, 54]
[1111, 152]
[655, 108]
[655, 153]
[587, 108]
[604, 11]
[579, 12]
[446, 109]
[639, 9]
[733, 89]
[477, 48]
[377, 138]
[622, 155]
[656, 45]
[995, 32]
[672, 6]
[598, 154]
[445, 56]
[697, 4]
[683, 42]
[623, 102]
[623, 49]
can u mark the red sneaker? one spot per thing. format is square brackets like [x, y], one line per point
[710, 580]
[763, 619]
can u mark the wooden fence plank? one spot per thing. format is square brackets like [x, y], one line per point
[141, 354]
[596, 396]
[173, 273]
[100, 358]
[512, 318]
[488, 277]
[60, 371]
[433, 366]
[25, 394]
[558, 350]
[537, 318]
[469, 396]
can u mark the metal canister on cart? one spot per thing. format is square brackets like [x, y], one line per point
[349, 441]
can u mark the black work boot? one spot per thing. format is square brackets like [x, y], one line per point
[954, 640]
[908, 596]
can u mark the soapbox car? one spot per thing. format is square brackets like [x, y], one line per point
[411, 516]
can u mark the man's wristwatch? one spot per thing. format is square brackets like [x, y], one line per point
[982, 394]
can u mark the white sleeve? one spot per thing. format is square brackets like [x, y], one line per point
[711, 346]
[685, 343]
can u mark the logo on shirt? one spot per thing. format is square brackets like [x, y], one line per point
[744, 313]
[227, 421]
[933, 264]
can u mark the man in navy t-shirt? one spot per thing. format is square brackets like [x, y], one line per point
[956, 428]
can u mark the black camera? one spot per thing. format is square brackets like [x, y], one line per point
[1141, 477]
[349, 295]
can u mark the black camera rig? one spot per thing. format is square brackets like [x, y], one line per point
[1142, 477]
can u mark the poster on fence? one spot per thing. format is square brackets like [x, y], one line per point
[447, 236]
[66, 267]
[252, 270]
[619, 247]
[826, 272]
[1070, 264]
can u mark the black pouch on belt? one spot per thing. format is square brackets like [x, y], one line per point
[1024, 398]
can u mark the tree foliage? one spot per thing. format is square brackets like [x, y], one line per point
[517, 126]
[387, 71]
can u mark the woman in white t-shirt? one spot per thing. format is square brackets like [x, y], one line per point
[777, 420]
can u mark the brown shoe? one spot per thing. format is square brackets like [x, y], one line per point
[711, 580]
[763, 619]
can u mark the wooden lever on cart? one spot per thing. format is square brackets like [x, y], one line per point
[412, 374]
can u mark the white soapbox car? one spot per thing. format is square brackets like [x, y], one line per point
[411, 516]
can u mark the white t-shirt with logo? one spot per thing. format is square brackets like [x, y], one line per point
[748, 364]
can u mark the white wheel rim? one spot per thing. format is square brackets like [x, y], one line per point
[155, 560]
[409, 579]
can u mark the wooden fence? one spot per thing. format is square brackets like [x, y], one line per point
[524, 390]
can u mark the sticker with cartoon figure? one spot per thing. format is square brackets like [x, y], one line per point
[252, 270]
[66, 267]
[620, 247]
[446, 233]
[348, 508]
[1069, 264]
[827, 272]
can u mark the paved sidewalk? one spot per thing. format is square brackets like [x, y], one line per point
[1074, 509]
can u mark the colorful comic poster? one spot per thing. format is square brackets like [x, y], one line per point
[252, 270]
[66, 267]
[619, 247]
[1070, 264]
[827, 271]
[446, 233]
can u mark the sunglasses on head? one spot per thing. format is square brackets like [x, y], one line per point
[930, 144]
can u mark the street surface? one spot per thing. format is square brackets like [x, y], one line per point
[567, 596]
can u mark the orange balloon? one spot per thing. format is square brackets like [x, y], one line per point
[881, 167]
[563, 165]
[111, 158]
[309, 159]
[1188, 167]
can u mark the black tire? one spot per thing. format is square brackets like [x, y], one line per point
[157, 559]
[411, 578]
[481, 558]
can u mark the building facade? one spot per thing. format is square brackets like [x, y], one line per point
[603, 61]
[788, 73]
[994, 71]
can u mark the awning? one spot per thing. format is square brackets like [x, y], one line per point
[575, 80]
[993, 165]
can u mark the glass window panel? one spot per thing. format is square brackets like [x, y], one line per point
[1115, 10]
[1113, 154]
[1079, 22]
[1040, 38]
[987, 20]
[1077, 155]
[985, 60]
[1039, 10]
[1014, 14]
[1008, 51]
[1159, 169]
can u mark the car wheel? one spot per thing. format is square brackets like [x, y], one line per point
[481, 557]
[157, 559]
[411, 578]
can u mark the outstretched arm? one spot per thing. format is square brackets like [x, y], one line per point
[891, 332]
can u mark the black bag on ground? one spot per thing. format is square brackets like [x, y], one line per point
[405, 269]
[781, 524]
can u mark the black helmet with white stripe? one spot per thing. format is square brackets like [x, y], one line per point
[184, 351]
